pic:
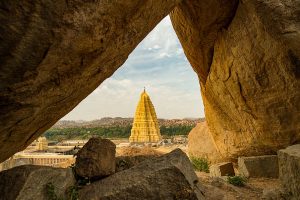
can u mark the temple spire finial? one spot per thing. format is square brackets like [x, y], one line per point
[144, 89]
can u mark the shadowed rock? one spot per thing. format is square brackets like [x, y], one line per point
[29, 182]
[96, 159]
[289, 170]
[167, 177]
[259, 166]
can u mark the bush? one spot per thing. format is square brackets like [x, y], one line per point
[236, 180]
[200, 164]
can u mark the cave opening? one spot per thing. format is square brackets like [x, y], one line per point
[159, 64]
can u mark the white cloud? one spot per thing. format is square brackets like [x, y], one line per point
[159, 64]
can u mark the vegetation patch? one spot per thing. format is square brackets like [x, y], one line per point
[200, 164]
[237, 180]
[50, 191]
[72, 192]
[80, 133]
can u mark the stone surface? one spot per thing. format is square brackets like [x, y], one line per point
[249, 71]
[96, 159]
[145, 125]
[289, 170]
[54, 54]
[221, 169]
[275, 194]
[170, 176]
[201, 144]
[126, 162]
[258, 166]
[29, 182]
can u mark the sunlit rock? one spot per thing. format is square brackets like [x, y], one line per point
[247, 57]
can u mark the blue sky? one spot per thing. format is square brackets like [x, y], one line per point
[159, 64]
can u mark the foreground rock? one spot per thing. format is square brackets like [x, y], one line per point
[167, 177]
[29, 182]
[96, 159]
[259, 166]
[289, 170]
[221, 169]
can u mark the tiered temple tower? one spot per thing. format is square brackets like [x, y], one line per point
[145, 126]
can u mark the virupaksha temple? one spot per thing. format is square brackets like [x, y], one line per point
[145, 126]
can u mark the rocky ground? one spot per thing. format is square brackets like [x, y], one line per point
[103, 171]
[218, 189]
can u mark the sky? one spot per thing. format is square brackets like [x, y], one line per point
[158, 64]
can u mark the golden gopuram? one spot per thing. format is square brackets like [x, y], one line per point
[145, 126]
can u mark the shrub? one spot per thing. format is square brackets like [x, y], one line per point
[73, 193]
[50, 192]
[200, 164]
[236, 180]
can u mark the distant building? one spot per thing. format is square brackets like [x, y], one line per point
[145, 126]
[41, 144]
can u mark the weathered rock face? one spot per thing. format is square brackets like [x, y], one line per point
[170, 176]
[29, 182]
[96, 159]
[251, 89]
[53, 54]
[289, 170]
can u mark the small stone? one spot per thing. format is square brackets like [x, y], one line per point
[289, 170]
[222, 169]
[259, 166]
[96, 159]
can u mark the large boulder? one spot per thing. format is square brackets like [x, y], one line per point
[249, 71]
[55, 53]
[167, 177]
[29, 182]
[289, 170]
[201, 144]
[96, 159]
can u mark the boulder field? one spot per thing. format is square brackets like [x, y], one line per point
[246, 54]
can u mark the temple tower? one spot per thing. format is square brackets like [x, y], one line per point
[145, 126]
[41, 144]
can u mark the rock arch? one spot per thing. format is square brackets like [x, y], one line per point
[245, 54]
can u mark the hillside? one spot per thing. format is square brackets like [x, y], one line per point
[122, 122]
